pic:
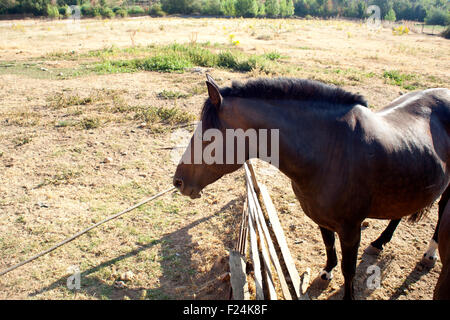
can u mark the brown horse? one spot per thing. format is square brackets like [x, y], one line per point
[442, 290]
[346, 162]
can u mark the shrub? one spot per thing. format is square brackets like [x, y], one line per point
[246, 8]
[212, 7]
[107, 12]
[90, 123]
[272, 8]
[446, 33]
[96, 11]
[437, 17]
[52, 11]
[228, 8]
[64, 12]
[390, 15]
[135, 10]
[87, 10]
[400, 30]
[121, 13]
[274, 55]
[156, 11]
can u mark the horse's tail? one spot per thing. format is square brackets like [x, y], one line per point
[419, 215]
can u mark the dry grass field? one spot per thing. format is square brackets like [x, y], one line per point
[87, 111]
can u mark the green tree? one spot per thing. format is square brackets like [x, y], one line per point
[176, 6]
[390, 16]
[36, 7]
[261, 9]
[52, 11]
[437, 17]
[290, 9]
[211, 7]
[283, 7]
[246, 8]
[228, 8]
[272, 8]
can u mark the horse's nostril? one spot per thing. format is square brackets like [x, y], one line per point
[178, 183]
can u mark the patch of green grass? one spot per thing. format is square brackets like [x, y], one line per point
[157, 294]
[406, 81]
[64, 123]
[90, 123]
[62, 100]
[178, 58]
[160, 63]
[166, 115]
[274, 55]
[63, 177]
[22, 140]
[172, 95]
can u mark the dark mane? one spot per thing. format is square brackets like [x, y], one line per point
[294, 89]
[280, 89]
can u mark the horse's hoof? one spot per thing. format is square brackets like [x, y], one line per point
[373, 251]
[326, 276]
[428, 261]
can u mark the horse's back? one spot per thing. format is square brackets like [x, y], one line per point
[436, 99]
[442, 290]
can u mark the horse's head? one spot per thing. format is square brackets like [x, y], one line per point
[204, 160]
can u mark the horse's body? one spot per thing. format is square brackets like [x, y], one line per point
[346, 163]
[442, 290]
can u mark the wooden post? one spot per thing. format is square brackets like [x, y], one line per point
[238, 276]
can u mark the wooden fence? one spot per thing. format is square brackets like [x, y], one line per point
[262, 242]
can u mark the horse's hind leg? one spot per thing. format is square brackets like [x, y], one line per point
[430, 257]
[377, 246]
[329, 239]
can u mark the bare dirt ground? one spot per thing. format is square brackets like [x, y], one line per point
[55, 180]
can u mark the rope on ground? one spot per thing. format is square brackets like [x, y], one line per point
[86, 230]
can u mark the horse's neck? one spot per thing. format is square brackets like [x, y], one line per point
[302, 132]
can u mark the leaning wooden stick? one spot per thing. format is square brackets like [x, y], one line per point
[278, 230]
[265, 255]
[254, 249]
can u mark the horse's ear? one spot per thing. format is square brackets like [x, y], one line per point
[211, 80]
[214, 94]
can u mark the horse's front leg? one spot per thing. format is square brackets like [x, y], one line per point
[349, 239]
[329, 239]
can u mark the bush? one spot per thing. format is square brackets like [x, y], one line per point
[52, 11]
[211, 7]
[87, 10]
[446, 33]
[390, 16]
[107, 12]
[400, 30]
[228, 8]
[437, 17]
[135, 10]
[246, 8]
[121, 13]
[272, 8]
[64, 12]
[156, 11]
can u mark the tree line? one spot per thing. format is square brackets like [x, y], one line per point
[435, 12]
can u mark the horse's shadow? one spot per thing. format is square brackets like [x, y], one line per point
[174, 283]
[365, 281]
